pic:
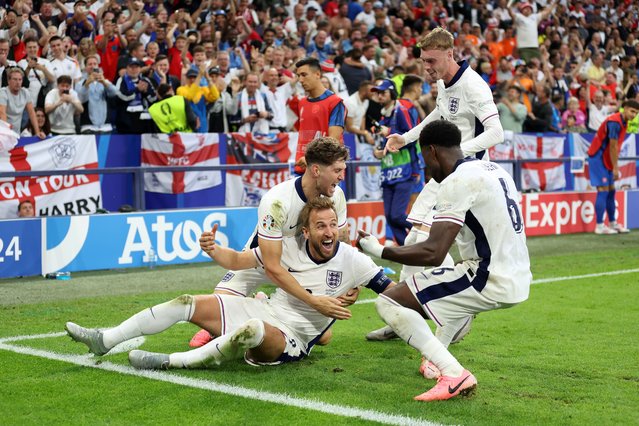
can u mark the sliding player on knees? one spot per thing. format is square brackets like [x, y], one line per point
[268, 331]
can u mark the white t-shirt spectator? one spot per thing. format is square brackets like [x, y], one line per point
[37, 78]
[596, 116]
[356, 108]
[61, 118]
[66, 66]
[527, 34]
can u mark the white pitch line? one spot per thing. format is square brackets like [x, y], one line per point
[579, 277]
[260, 395]
[551, 280]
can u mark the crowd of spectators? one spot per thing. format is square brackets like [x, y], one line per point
[95, 66]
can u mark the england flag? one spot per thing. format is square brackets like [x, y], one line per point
[181, 149]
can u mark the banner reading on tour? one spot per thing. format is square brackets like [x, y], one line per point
[52, 195]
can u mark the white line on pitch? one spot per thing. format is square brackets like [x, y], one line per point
[551, 280]
[277, 398]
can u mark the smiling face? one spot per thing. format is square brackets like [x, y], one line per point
[322, 233]
[329, 177]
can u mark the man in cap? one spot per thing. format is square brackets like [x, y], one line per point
[135, 94]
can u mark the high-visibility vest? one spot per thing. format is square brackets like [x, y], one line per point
[170, 115]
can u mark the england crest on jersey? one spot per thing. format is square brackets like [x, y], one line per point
[333, 278]
[453, 105]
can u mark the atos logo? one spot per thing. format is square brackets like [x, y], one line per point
[170, 240]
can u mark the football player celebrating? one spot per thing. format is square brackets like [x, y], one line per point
[464, 99]
[477, 205]
[278, 217]
[266, 331]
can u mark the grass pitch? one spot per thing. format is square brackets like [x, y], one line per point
[566, 356]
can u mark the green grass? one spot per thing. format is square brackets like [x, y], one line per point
[566, 356]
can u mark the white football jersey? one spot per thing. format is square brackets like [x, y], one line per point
[347, 269]
[468, 103]
[482, 198]
[280, 208]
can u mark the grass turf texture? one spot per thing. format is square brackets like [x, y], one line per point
[566, 356]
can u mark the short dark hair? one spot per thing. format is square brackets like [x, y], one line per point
[161, 57]
[64, 79]
[30, 201]
[317, 203]
[55, 38]
[163, 90]
[365, 83]
[312, 63]
[325, 151]
[440, 133]
[630, 103]
[409, 81]
[134, 45]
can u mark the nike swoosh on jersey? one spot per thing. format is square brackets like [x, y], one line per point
[292, 270]
[453, 390]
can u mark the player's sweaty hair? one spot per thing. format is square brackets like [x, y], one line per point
[315, 204]
[325, 151]
[437, 39]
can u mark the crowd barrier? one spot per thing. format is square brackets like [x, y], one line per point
[127, 240]
[86, 173]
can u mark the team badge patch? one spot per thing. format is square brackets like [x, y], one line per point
[227, 277]
[268, 222]
[453, 105]
[333, 278]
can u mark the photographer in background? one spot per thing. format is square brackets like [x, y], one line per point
[61, 105]
[93, 92]
[401, 169]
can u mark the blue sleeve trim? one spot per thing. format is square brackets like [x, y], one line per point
[337, 115]
[614, 129]
[379, 282]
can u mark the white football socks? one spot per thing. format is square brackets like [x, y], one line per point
[410, 326]
[151, 320]
[224, 348]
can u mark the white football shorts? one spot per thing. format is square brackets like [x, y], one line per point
[235, 311]
[450, 295]
[245, 282]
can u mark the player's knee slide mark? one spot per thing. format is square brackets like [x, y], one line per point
[185, 299]
[250, 334]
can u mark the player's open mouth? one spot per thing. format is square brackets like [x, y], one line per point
[327, 245]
